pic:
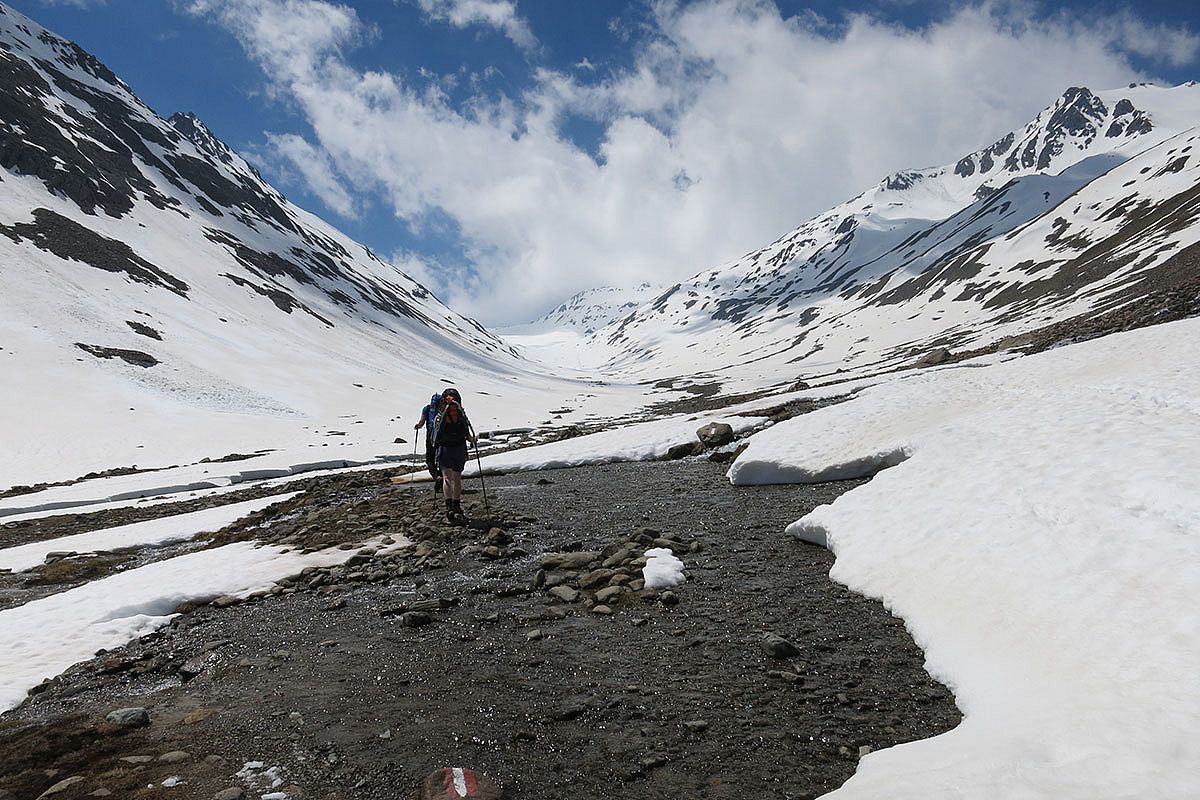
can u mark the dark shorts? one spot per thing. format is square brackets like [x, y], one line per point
[452, 457]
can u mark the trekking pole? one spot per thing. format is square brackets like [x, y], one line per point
[479, 464]
[416, 438]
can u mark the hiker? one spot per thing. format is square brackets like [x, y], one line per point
[428, 416]
[451, 432]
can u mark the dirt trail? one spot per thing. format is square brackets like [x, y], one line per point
[551, 699]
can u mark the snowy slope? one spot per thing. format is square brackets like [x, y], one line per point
[160, 303]
[1035, 525]
[1077, 213]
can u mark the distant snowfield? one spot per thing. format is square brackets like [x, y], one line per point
[1039, 532]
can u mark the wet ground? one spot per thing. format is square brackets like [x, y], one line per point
[358, 686]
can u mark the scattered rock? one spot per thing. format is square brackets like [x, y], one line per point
[226, 600]
[778, 647]
[174, 757]
[232, 793]
[129, 717]
[137, 759]
[575, 560]
[679, 451]
[61, 786]
[715, 434]
[609, 594]
[939, 355]
[415, 619]
[564, 593]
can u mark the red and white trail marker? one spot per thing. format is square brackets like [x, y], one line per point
[457, 783]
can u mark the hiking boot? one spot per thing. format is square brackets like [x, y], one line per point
[450, 513]
[437, 485]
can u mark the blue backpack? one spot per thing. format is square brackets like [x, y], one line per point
[431, 412]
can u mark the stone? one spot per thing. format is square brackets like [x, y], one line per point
[936, 356]
[129, 717]
[454, 783]
[137, 759]
[696, 725]
[609, 594]
[232, 793]
[595, 579]
[226, 600]
[864, 750]
[715, 434]
[101, 792]
[192, 667]
[533, 635]
[564, 593]
[175, 757]
[778, 647]
[415, 619]
[679, 451]
[571, 560]
[335, 605]
[602, 610]
[668, 598]
[61, 786]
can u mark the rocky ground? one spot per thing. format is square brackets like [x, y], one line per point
[524, 647]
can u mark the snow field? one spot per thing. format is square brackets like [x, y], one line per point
[1038, 533]
[153, 531]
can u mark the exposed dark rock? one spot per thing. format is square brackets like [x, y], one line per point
[135, 357]
[69, 240]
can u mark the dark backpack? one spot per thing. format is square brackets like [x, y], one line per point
[451, 413]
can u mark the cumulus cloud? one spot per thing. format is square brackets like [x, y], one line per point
[733, 124]
[499, 14]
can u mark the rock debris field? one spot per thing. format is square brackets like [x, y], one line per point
[523, 646]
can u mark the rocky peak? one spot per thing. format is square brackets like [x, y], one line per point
[195, 130]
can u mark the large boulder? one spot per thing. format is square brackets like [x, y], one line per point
[715, 434]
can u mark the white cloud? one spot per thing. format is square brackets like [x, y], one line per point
[499, 14]
[315, 169]
[733, 125]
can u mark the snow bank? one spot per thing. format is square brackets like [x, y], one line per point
[154, 531]
[44, 637]
[643, 441]
[662, 569]
[1040, 540]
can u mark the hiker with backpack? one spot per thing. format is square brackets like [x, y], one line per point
[428, 418]
[451, 432]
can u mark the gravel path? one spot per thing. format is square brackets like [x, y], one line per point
[332, 686]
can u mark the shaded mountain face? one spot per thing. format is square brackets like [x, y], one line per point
[160, 302]
[1088, 209]
[104, 161]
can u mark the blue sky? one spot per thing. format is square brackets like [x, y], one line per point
[510, 152]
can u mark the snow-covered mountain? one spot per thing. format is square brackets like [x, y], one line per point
[160, 302]
[1091, 206]
[592, 309]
